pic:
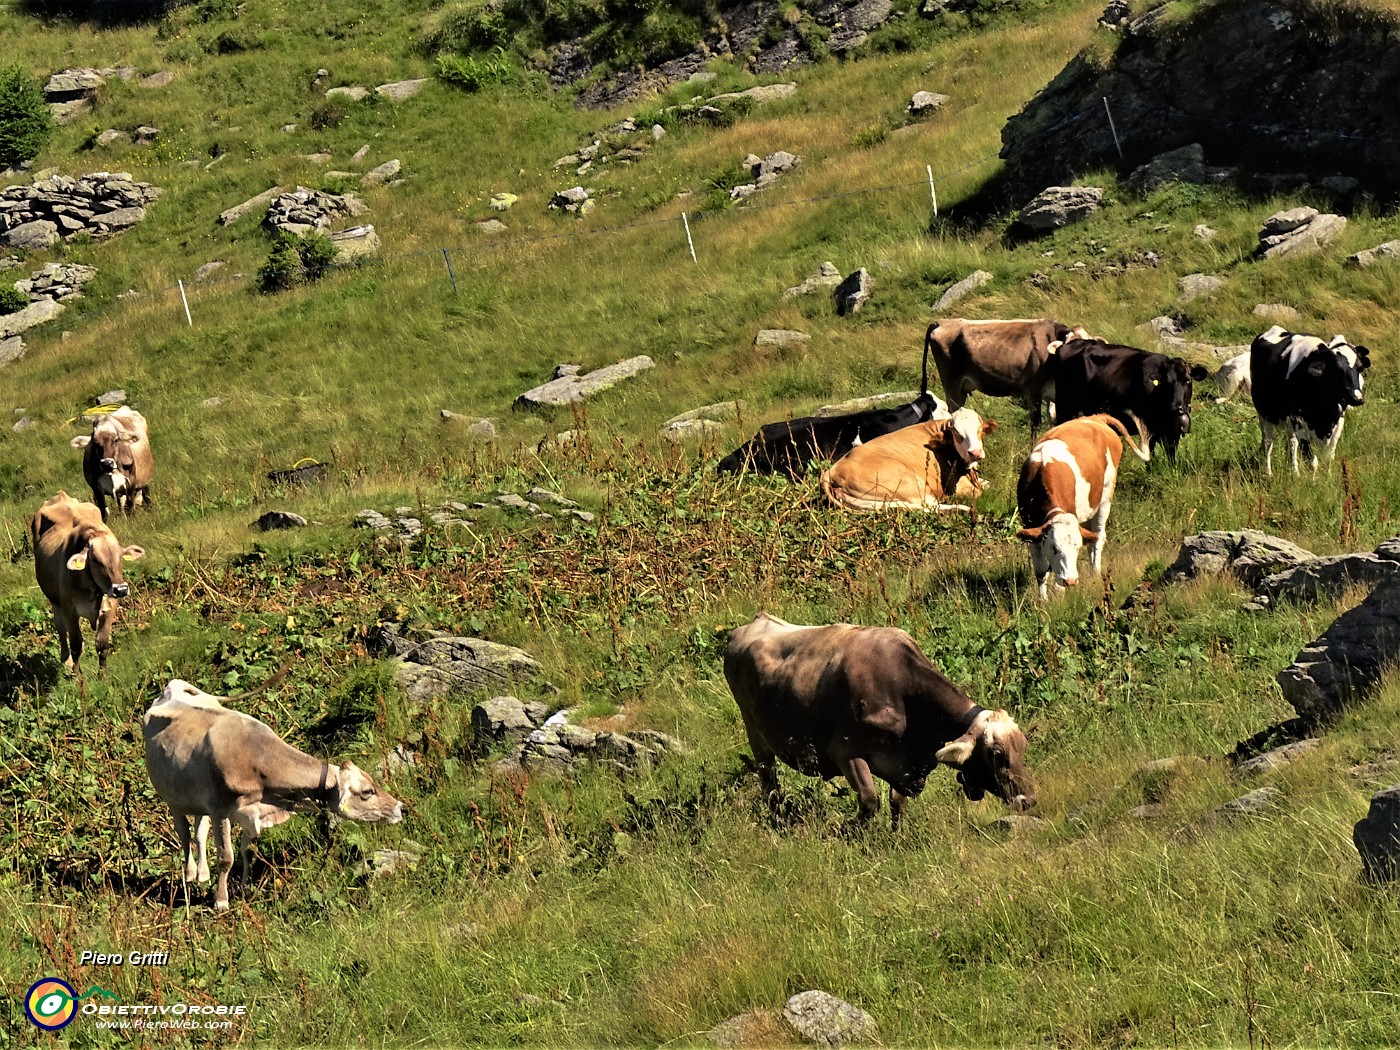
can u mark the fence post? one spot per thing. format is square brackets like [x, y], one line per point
[188, 319]
[689, 240]
[1112, 127]
[933, 193]
[450, 275]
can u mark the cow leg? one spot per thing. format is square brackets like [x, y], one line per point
[249, 823]
[182, 832]
[201, 842]
[1266, 429]
[1330, 446]
[1040, 569]
[106, 615]
[857, 772]
[1099, 523]
[897, 800]
[223, 839]
[71, 641]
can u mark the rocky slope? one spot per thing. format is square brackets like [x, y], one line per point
[1291, 87]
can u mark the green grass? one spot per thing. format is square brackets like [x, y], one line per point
[644, 912]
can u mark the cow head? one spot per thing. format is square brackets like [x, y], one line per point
[101, 558]
[1059, 542]
[968, 429]
[1337, 370]
[360, 798]
[991, 756]
[1167, 398]
[115, 452]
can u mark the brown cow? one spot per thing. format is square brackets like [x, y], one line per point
[117, 459]
[913, 468]
[999, 358]
[1068, 480]
[78, 563]
[866, 702]
[219, 765]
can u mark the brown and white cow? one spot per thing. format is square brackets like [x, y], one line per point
[1066, 481]
[78, 564]
[221, 766]
[913, 469]
[1000, 358]
[866, 702]
[117, 459]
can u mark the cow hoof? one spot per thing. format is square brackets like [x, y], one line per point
[221, 905]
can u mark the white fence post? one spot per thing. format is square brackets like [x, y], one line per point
[1112, 127]
[689, 240]
[188, 319]
[933, 193]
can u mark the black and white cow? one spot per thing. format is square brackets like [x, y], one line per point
[1304, 384]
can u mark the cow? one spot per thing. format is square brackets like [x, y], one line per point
[220, 766]
[866, 702]
[999, 358]
[1093, 376]
[1233, 377]
[1306, 385]
[1067, 481]
[914, 468]
[78, 565]
[117, 459]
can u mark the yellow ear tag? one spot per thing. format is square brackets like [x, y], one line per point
[78, 561]
[345, 807]
[1156, 382]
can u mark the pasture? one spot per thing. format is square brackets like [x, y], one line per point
[644, 911]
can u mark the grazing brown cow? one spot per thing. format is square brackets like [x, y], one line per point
[914, 468]
[117, 459]
[1068, 480]
[78, 563]
[1000, 358]
[215, 764]
[866, 702]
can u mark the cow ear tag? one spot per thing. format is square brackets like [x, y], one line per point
[78, 561]
[1156, 382]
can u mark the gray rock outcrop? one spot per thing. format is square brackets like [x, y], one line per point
[700, 422]
[1298, 231]
[304, 211]
[765, 171]
[1346, 662]
[1278, 758]
[854, 292]
[1195, 285]
[383, 173]
[1183, 164]
[969, 284]
[542, 744]
[826, 277]
[11, 349]
[35, 313]
[1371, 256]
[1250, 555]
[279, 519]
[452, 667]
[924, 103]
[1058, 206]
[576, 201]
[98, 204]
[61, 282]
[821, 1018]
[1258, 803]
[566, 388]
[1377, 836]
[252, 204]
[357, 242]
[780, 337]
[864, 404]
[400, 90]
[1328, 577]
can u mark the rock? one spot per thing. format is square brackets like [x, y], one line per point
[357, 242]
[502, 719]
[748, 1029]
[111, 397]
[502, 201]
[400, 90]
[360, 154]
[542, 495]
[11, 349]
[119, 218]
[721, 410]
[758, 95]
[61, 282]
[279, 519]
[780, 337]
[567, 389]
[457, 668]
[289, 128]
[1328, 577]
[1310, 235]
[1148, 811]
[67, 112]
[827, 276]
[145, 135]
[514, 501]
[1275, 312]
[35, 235]
[691, 428]
[864, 404]
[35, 313]
[1371, 256]
[208, 270]
[563, 439]
[303, 210]
[1204, 232]
[1058, 206]
[1195, 285]
[381, 174]
[212, 402]
[354, 93]
[1259, 802]
[321, 159]
[925, 102]
[68, 84]
[1346, 662]
[491, 226]
[1251, 555]
[1183, 164]
[657, 132]
[1379, 769]
[156, 80]
[371, 519]
[392, 861]
[1010, 824]
[112, 135]
[854, 292]
[1276, 759]
[1116, 15]
[1377, 836]
[237, 212]
[976, 279]
[823, 1019]
[776, 164]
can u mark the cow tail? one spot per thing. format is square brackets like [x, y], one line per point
[928, 349]
[826, 487]
[1143, 451]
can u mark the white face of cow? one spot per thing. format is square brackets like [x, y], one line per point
[364, 800]
[1055, 547]
[966, 426]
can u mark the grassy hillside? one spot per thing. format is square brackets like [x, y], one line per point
[645, 911]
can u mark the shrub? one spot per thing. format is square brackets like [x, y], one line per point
[472, 73]
[465, 27]
[25, 120]
[12, 300]
[327, 115]
[296, 260]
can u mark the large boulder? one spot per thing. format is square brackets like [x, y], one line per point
[1298, 231]
[35, 313]
[1250, 555]
[304, 210]
[1058, 206]
[1346, 662]
[33, 236]
[1329, 577]
[232, 215]
[821, 1018]
[444, 665]
[1184, 164]
[1371, 256]
[1377, 836]
[854, 292]
[567, 387]
[976, 279]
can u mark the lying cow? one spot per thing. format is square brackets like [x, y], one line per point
[78, 564]
[221, 766]
[1092, 376]
[999, 358]
[1305, 385]
[117, 459]
[1233, 377]
[866, 702]
[788, 447]
[916, 468]
[1067, 482]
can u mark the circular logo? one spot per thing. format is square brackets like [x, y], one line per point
[51, 1004]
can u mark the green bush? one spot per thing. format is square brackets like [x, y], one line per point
[25, 120]
[328, 115]
[296, 260]
[12, 300]
[472, 73]
[465, 27]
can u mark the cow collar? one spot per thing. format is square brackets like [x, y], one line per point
[327, 791]
[971, 720]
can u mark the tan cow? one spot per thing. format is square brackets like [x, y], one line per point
[78, 563]
[1068, 480]
[1000, 358]
[914, 468]
[215, 764]
[117, 459]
